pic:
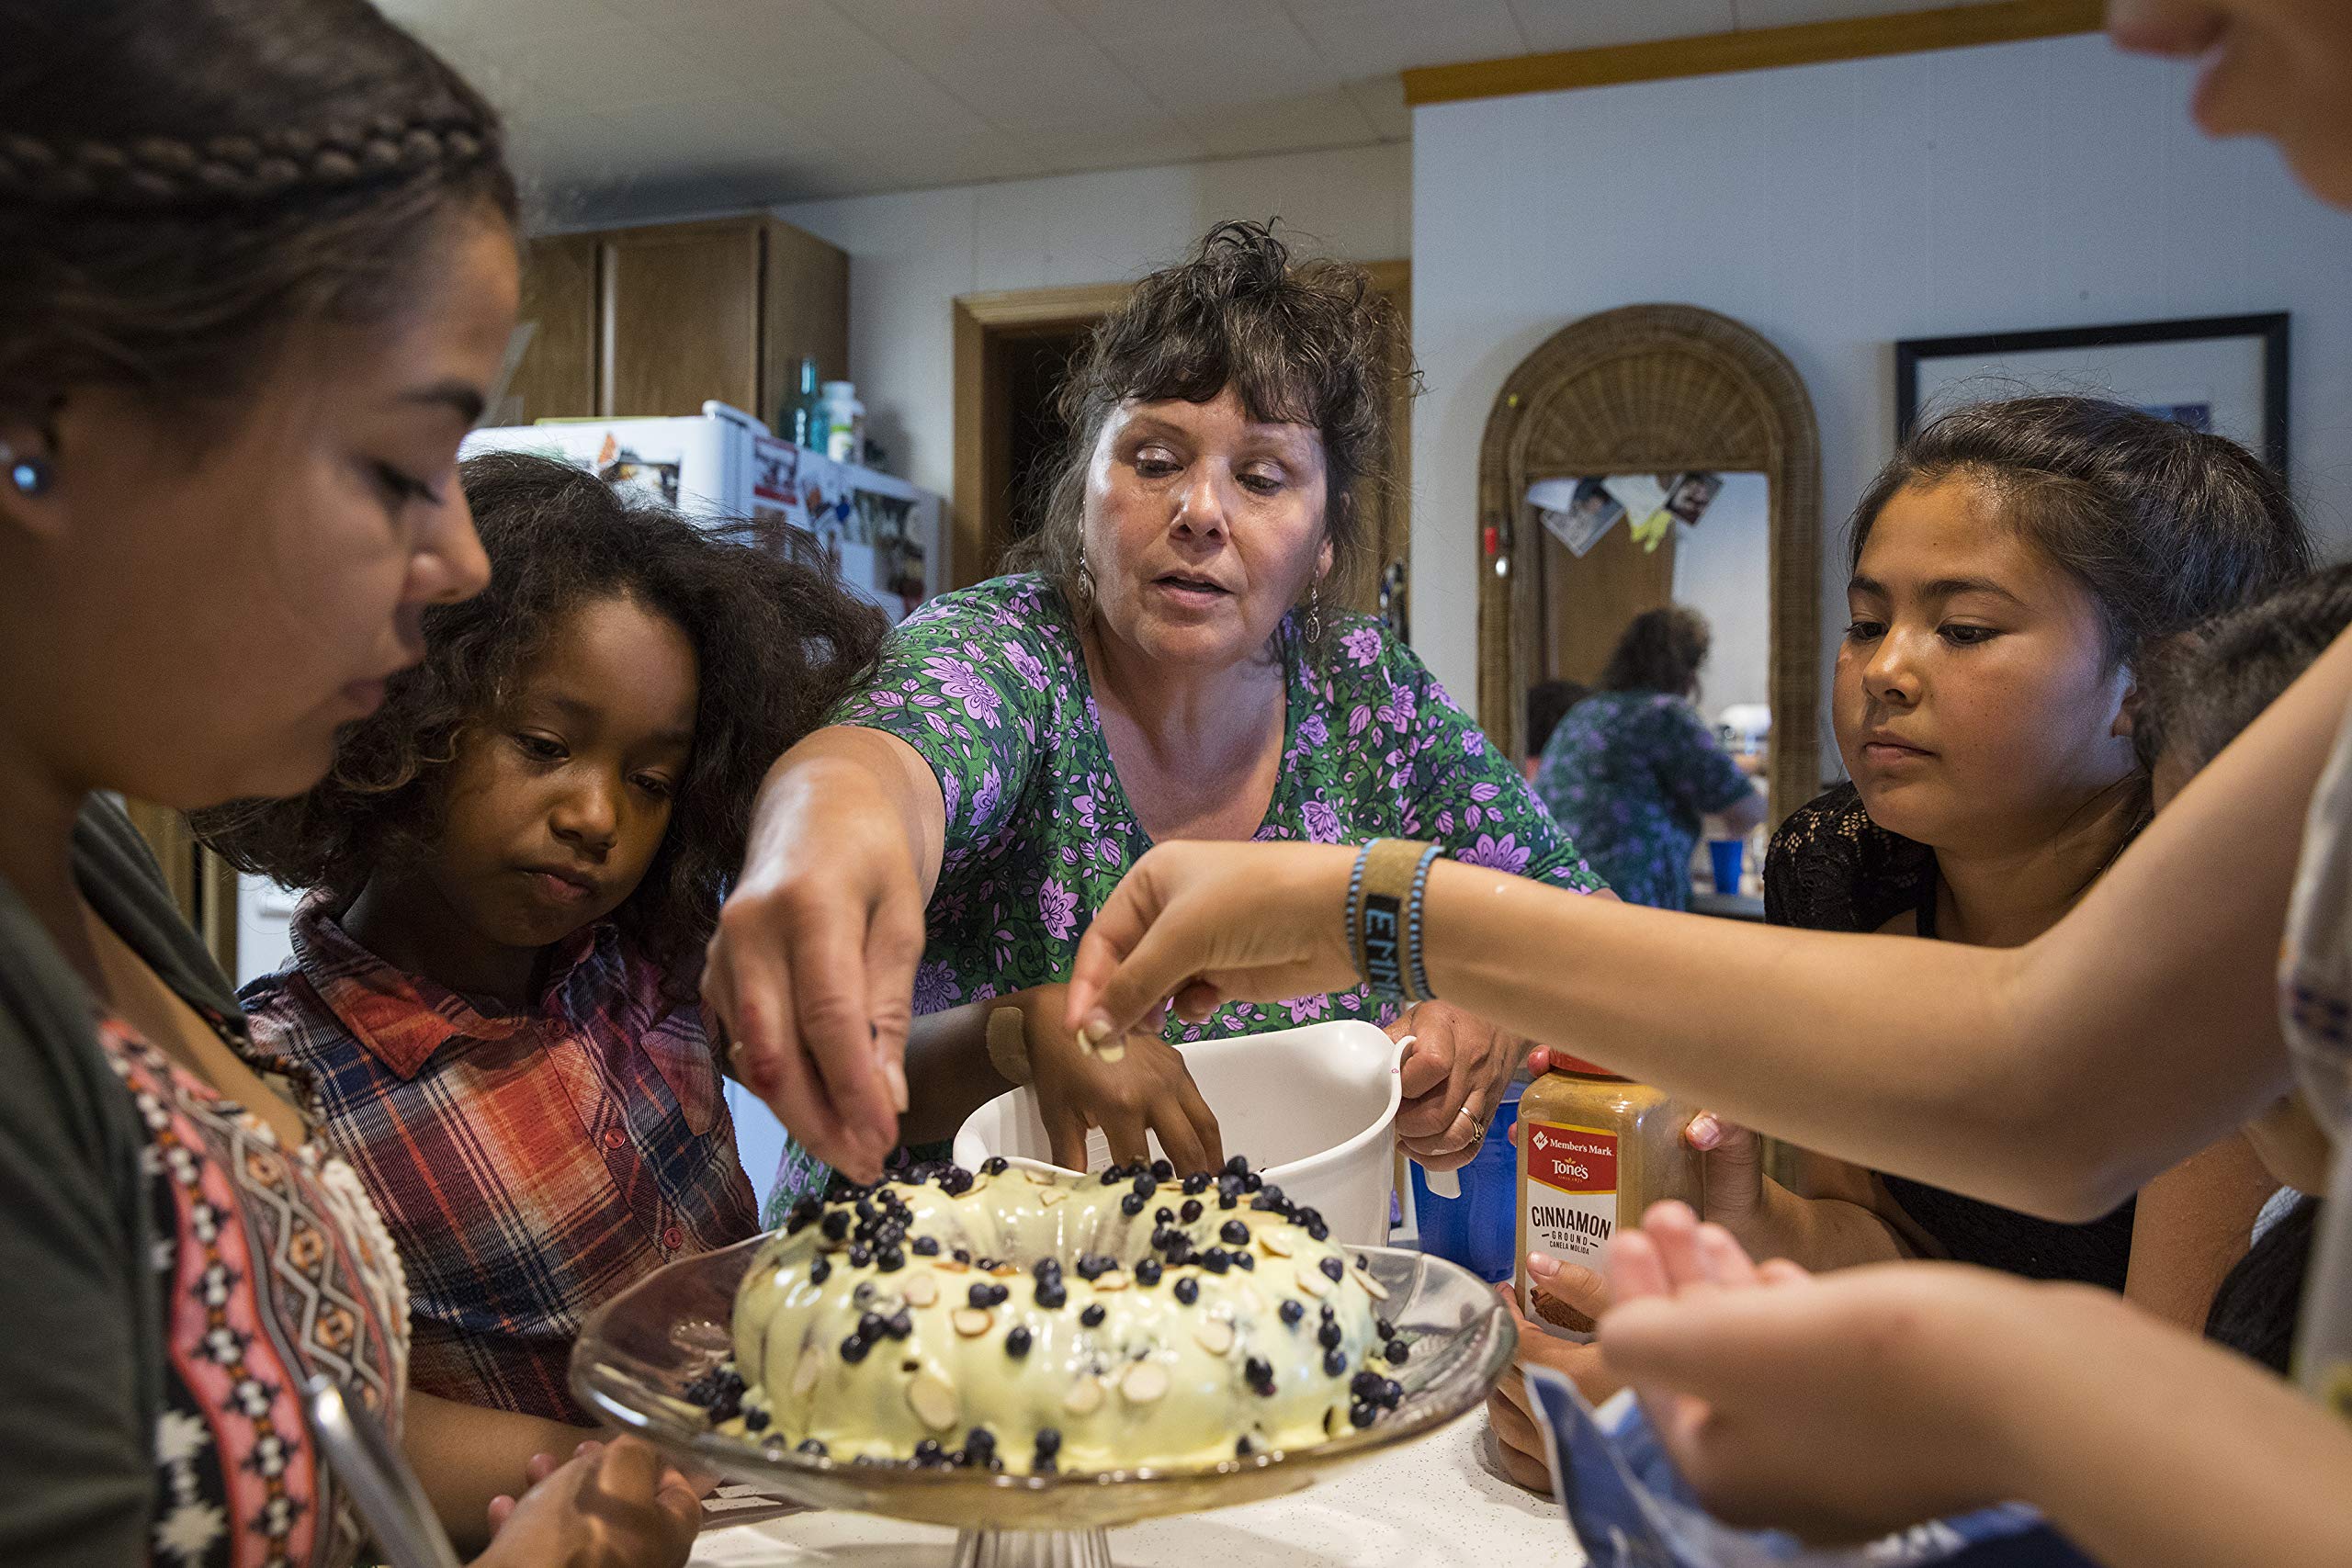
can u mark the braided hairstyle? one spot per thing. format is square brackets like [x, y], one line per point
[183, 182]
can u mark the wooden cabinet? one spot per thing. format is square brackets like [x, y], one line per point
[657, 321]
[557, 373]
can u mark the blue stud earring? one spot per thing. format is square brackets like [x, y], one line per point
[31, 476]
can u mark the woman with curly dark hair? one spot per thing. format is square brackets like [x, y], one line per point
[515, 864]
[1174, 664]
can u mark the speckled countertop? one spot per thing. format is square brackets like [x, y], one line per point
[1440, 1503]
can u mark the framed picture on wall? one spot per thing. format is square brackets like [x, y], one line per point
[2224, 374]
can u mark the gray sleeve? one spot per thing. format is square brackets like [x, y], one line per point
[78, 1314]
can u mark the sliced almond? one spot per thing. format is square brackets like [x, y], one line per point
[1051, 1196]
[1213, 1335]
[1042, 1177]
[1372, 1286]
[804, 1376]
[953, 1266]
[1085, 1398]
[1276, 1243]
[973, 1322]
[1111, 1280]
[932, 1399]
[1315, 1282]
[921, 1290]
[1146, 1382]
[1004, 1272]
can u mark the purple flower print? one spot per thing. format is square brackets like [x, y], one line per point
[984, 799]
[1444, 824]
[1502, 854]
[1024, 664]
[885, 700]
[1473, 742]
[958, 680]
[1304, 1007]
[935, 991]
[949, 788]
[1359, 720]
[937, 722]
[1362, 644]
[1397, 711]
[1322, 822]
[1057, 907]
[1313, 731]
[1482, 793]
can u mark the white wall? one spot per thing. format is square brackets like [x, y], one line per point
[1723, 569]
[911, 256]
[1836, 208]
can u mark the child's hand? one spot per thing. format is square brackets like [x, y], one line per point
[1148, 1089]
[610, 1506]
[1840, 1407]
[1508, 1408]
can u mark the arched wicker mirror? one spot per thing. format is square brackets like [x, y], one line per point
[1661, 389]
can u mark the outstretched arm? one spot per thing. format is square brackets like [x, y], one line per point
[812, 969]
[2056, 1077]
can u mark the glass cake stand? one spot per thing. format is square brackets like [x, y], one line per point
[638, 1351]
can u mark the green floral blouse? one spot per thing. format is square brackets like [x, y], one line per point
[990, 685]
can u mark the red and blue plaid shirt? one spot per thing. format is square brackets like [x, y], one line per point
[529, 1165]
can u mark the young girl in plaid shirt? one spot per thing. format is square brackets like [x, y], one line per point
[515, 865]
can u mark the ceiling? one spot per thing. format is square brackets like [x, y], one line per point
[639, 108]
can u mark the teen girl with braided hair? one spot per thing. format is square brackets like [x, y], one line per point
[261, 272]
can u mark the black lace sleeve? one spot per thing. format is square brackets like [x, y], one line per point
[1830, 868]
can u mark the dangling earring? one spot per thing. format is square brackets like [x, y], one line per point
[31, 476]
[1314, 612]
[1085, 584]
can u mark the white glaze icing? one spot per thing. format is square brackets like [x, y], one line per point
[1159, 1381]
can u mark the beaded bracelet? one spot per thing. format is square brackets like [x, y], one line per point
[1384, 916]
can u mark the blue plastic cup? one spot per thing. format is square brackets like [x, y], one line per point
[1727, 855]
[1478, 1230]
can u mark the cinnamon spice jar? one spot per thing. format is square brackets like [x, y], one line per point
[1595, 1150]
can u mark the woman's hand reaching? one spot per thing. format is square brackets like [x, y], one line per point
[1175, 928]
[1147, 1090]
[812, 969]
[1455, 1074]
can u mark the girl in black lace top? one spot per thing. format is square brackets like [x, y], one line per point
[2009, 568]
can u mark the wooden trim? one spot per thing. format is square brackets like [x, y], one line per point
[1647, 388]
[1044, 308]
[967, 527]
[216, 899]
[1762, 49]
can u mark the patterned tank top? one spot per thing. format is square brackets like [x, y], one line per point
[272, 1265]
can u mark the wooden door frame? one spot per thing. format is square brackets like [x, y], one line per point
[981, 525]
